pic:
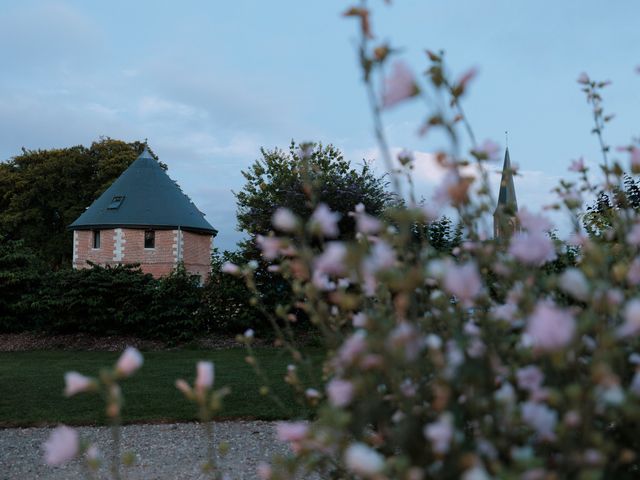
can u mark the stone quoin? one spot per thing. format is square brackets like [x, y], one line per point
[144, 218]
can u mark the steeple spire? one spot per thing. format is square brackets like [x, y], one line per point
[505, 222]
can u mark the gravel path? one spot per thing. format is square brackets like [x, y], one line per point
[167, 451]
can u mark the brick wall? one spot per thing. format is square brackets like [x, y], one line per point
[125, 245]
[196, 253]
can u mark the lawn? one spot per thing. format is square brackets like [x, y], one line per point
[32, 383]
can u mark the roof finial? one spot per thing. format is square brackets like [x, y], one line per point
[506, 138]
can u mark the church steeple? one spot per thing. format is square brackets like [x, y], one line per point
[505, 222]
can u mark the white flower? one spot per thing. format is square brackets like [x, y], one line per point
[325, 221]
[440, 433]
[130, 361]
[312, 393]
[285, 220]
[541, 418]
[205, 376]
[475, 473]
[363, 460]
[573, 282]
[76, 383]
[249, 333]
[63, 444]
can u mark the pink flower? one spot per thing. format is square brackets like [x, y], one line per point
[635, 158]
[76, 383]
[205, 376]
[633, 274]
[532, 248]
[230, 268]
[631, 314]
[530, 378]
[440, 433]
[352, 348]
[405, 339]
[183, 387]
[398, 86]
[365, 223]
[463, 281]
[359, 320]
[63, 444]
[405, 156]
[363, 460]
[264, 471]
[270, 246]
[467, 76]
[284, 219]
[129, 362]
[506, 312]
[325, 221]
[340, 392]
[550, 328]
[573, 282]
[332, 260]
[292, 431]
[382, 257]
[541, 418]
[577, 165]
[633, 237]
[583, 79]
[533, 222]
[489, 149]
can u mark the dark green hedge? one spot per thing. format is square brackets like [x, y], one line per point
[120, 300]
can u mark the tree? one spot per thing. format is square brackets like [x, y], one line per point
[599, 216]
[43, 191]
[300, 179]
[20, 277]
[303, 176]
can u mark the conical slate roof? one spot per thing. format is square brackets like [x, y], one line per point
[507, 194]
[143, 197]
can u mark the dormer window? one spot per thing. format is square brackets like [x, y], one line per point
[96, 239]
[116, 201]
[149, 239]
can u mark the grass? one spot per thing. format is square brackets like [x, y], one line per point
[33, 382]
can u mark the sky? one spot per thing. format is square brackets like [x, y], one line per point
[209, 83]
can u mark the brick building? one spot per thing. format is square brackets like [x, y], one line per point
[144, 217]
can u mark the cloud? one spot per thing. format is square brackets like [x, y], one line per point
[44, 35]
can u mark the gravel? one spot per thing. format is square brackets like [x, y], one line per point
[165, 451]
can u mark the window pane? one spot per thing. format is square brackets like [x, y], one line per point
[96, 239]
[115, 202]
[149, 239]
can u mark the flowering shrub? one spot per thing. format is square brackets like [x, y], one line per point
[508, 358]
[504, 358]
